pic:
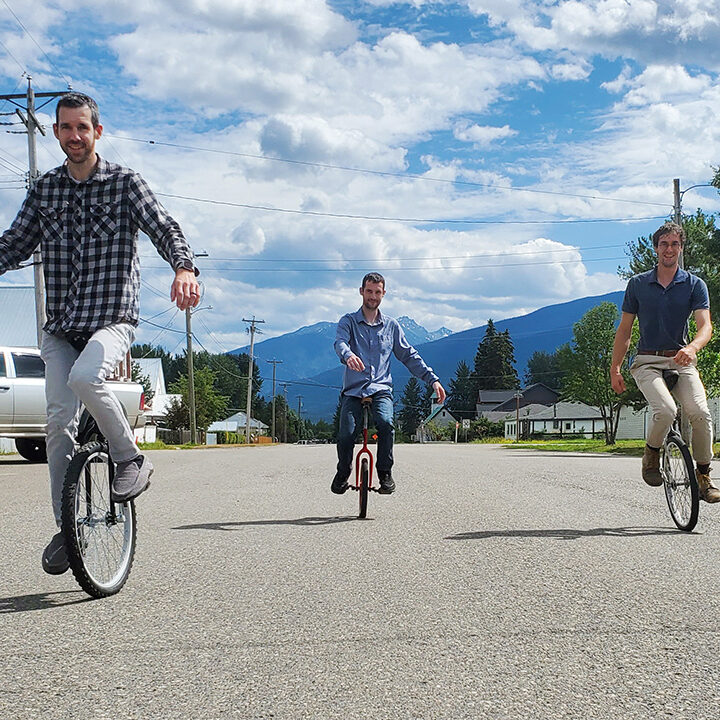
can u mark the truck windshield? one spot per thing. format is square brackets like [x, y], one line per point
[28, 366]
[3, 372]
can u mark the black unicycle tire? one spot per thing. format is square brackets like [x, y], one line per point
[364, 488]
[100, 552]
[680, 482]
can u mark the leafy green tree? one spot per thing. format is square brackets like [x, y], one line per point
[588, 367]
[495, 361]
[209, 404]
[544, 367]
[411, 412]
[462, 399]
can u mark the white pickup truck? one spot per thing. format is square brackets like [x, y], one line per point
[22, 400]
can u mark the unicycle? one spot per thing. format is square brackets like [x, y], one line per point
[678, 472]
[99, 533]
[364, 464]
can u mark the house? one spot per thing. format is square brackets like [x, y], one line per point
[561, 418]
[494, 405]
[440, 416]
[155, 408]
[236, 423]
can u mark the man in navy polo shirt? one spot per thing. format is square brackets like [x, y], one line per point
[662, 299]
[364, 342]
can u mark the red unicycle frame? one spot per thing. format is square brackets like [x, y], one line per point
[364, 463]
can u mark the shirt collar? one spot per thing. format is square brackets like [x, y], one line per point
[360, 318]
[680, 276]
[101, 172]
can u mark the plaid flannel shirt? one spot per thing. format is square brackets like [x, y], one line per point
[87, 234]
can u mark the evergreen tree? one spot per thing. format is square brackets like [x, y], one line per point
[462, 399]
[544, 367]
[495, 361]
[410, 415]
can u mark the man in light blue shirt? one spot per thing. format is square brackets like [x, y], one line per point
[364, 342]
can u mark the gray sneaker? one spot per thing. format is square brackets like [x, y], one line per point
[131, 478]
[54, 557]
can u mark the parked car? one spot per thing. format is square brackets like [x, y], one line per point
[22, 400]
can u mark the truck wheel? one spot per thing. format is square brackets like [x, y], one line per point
[32, 449]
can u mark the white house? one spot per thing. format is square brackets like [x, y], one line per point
[155, 409]
[236, 423]
[562, 418]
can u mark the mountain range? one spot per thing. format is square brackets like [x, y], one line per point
[312, 370]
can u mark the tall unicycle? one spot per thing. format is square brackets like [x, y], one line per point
[364, 463]
[680, 481]
[99, 533]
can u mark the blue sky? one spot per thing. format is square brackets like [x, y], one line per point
[301, 143]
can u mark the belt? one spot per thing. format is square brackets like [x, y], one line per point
[661, 353]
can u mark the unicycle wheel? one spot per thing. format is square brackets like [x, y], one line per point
[680, 482]
[364, 488]
[99, 534]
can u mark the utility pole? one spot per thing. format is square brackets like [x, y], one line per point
[274, 363]
[677, 208]
[31, 123]
[300, 427]
[248, 407]
[191, 377]
[284, 387]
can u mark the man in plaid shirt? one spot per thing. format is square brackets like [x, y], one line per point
[85, 215]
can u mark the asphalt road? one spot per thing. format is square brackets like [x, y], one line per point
[495, 583]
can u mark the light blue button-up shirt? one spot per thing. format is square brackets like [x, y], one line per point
[374, 344]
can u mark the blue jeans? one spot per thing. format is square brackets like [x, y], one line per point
[351, 423]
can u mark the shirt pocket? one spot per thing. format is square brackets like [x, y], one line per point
[52, 221]
[103, 220]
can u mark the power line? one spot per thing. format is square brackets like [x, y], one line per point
[286, 261]
[382, 268]
[366, 171]
[417, 221]
[29, 34]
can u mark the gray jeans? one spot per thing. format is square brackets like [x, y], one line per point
[72, 378]
[690, 393]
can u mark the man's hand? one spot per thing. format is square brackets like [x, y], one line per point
[617, 381]
[685, 356]
[440, 392]
[185, 291]
[355, 363]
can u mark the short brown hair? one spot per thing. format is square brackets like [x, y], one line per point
[373, 277]
[77, 100]
[668, 228]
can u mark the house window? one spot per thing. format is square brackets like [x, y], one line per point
[568, 426]
[556, 424]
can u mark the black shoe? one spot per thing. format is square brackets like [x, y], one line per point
[339, 483]
[54, 557]
[387, 484]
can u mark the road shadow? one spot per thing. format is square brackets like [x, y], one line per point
[567, 533]
[17, 461]
[42, 601]
[235, 525]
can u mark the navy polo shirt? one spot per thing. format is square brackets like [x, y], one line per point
[663, 312]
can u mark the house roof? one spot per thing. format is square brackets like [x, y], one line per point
[494, 396]
[437, 410]
[235, 423]
[18, 326]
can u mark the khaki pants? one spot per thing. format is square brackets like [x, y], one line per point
[689, 392]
